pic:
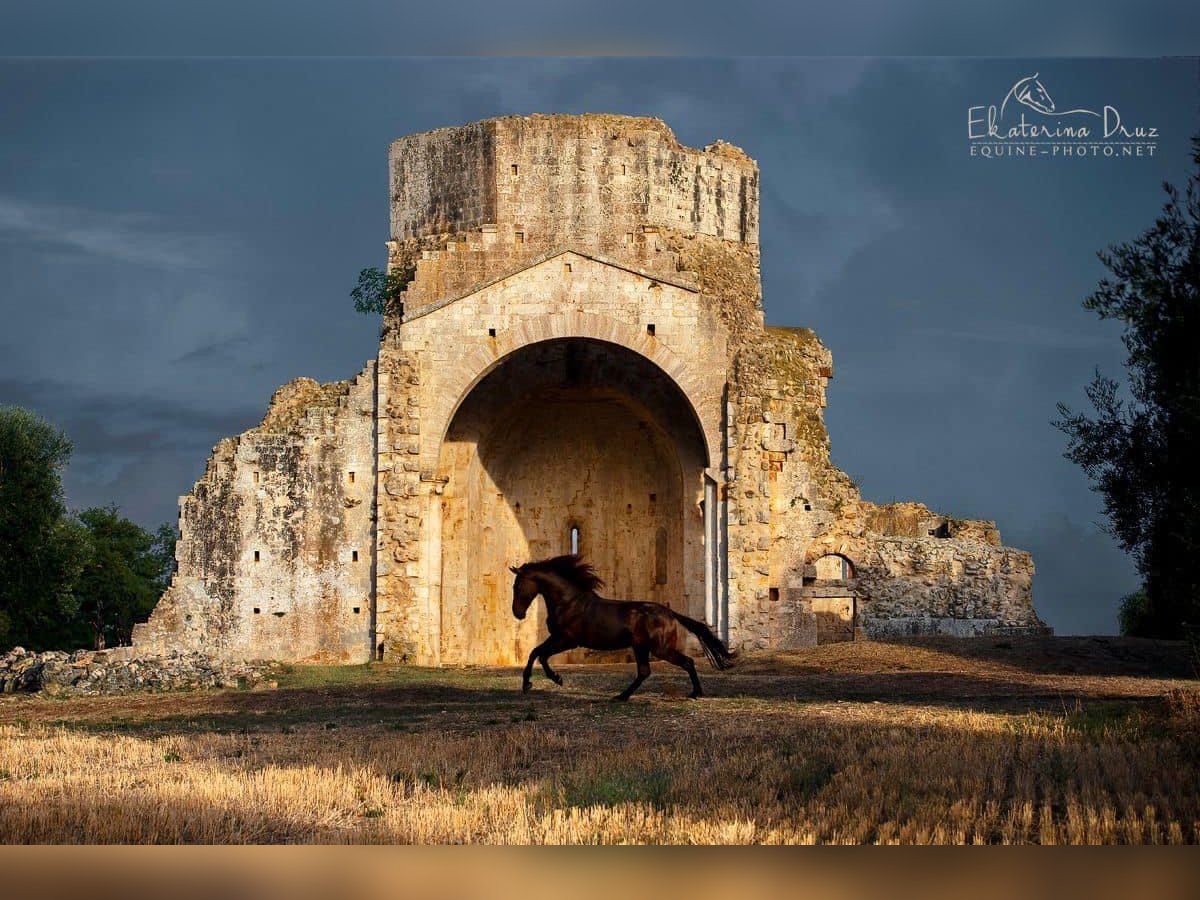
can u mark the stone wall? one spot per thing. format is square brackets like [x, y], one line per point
[120, 671]
[274, 558]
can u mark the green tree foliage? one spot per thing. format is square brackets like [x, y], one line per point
[377, 291]
[1141, 447]
[42, 550]
[125, 574]
[67, 581]
[1134, 615]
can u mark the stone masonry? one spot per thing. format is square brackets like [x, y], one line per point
[579, 361]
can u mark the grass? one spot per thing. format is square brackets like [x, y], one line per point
[1014, 741]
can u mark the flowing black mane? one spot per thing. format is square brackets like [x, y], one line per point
[570, 567]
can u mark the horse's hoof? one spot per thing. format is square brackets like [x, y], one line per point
[620, 698]
[526, 687]
[557, 679]
[695, 695]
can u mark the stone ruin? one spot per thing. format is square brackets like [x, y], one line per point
[579, 362]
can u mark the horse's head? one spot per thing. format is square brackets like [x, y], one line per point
[525, 588]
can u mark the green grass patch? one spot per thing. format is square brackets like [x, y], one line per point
[806, 780]
[612, 789]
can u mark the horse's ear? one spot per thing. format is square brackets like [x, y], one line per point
[514, 570]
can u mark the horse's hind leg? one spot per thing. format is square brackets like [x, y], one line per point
[642, 655]
[686, 663]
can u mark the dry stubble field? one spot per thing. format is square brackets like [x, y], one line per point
[1054, 740]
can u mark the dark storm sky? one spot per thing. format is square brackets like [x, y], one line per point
[178, 238]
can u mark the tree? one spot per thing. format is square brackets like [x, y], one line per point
[126, 572]
[1140, 450]
[42, 550]
[377, 291]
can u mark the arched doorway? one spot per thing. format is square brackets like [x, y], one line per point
[567, 444]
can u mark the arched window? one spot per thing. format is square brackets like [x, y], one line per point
[573, 537]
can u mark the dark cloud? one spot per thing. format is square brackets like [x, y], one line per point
[178, 238]
[384, 28]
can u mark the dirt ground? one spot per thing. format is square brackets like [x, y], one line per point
[1021, 740]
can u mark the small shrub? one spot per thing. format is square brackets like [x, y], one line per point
[1134, 616]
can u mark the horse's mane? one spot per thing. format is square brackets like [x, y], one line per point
[570, 567]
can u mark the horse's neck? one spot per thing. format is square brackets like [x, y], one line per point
[558, 591]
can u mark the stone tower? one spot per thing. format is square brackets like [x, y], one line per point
[579, 362]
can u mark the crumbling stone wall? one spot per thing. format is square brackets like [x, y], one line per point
[912, 570]
[274, 558]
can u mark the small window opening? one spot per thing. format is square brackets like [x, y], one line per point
[256, 478]
[256, 557]
[567, 267]
[628, 238]
[653, 498]
[514, 168]
[623, 171]
[808, 507]
[353, 556]
[773, 594]
[574, 538]
[279, 615]
[628, 507]
[356, 609]
[257, 610]
[650, 329]
[520, 237]
[491, 332]
[350, 477]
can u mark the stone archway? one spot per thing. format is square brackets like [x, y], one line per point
[567, 435]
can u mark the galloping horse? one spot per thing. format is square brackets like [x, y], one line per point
[579, 617]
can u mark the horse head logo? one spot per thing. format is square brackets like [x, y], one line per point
[1032, 93]
[1029, 91]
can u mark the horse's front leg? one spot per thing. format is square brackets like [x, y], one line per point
[548, 647]
[560, 645]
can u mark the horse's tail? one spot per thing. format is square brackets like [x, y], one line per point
[718, 654]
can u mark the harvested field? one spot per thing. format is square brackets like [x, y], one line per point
[1038, 740]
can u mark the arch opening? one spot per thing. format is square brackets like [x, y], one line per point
[568, 444]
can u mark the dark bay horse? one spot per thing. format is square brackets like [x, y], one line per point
[579, 617]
